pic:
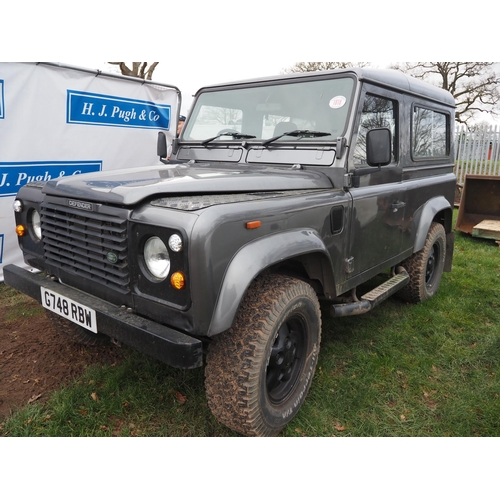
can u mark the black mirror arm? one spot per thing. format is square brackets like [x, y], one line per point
[360, 172]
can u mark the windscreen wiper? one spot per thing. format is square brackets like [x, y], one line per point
[234, 135]
[297, 133]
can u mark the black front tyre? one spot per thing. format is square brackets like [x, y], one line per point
[258, 373]
[425, 267]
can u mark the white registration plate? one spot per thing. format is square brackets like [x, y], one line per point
[69, 309]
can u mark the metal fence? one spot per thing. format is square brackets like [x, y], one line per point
[477, 151]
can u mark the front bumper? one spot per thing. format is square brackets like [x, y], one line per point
[159, 341]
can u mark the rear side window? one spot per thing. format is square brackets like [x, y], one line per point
[430, 133]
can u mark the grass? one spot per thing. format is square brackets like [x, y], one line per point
[140, 397]
[431, 369]
[17, 304]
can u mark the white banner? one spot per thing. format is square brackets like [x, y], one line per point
[58, 120]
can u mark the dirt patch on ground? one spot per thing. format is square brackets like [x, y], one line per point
[35, 360]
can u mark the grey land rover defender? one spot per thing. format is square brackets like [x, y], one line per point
[280, 192]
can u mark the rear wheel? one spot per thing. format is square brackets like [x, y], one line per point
[259, 372]
[426, 267]
[75, 332]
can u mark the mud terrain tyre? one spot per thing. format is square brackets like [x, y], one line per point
[425, 267]
[75, 333]
[258, 373]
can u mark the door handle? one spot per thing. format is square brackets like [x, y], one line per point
[396, 205]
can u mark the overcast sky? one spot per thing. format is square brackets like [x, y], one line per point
[189, 77]
[200, 43]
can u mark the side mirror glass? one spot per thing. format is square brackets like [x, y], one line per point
[161, 146]
[378, 147]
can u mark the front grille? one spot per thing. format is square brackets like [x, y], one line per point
[85, 243]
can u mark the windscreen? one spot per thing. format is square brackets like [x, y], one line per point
[267, 111]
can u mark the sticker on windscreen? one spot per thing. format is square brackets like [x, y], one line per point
[337, 102]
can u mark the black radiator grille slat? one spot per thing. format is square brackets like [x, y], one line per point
[86, 243]
[85, 260]
[79, 242]
[80, 233]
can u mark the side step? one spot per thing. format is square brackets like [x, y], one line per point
[372, 298]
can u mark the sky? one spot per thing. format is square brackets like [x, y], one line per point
[189, 77]
[200, 43]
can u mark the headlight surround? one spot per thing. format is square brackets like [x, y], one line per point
[156, 258]
[144, 283]
[35, 225]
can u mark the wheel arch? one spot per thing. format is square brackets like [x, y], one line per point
[300, 249]
[437, 209]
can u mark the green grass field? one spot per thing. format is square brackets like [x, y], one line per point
[431, 369]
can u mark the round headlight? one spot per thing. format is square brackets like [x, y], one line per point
[36, 225]
[156, 257]
[175, 243]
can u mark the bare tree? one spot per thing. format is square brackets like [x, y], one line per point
[303, 67]
[224, 116]
[139, 69]
[474, 85]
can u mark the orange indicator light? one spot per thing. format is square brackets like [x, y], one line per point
[178, 281]
[253, 224]
[20, 230]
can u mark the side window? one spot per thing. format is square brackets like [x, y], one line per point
[429, 133]
[377, 112]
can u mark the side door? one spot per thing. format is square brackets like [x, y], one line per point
[377, 219]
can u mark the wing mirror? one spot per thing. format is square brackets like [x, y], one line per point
[378, 153]
[161, 147]
[378, 147]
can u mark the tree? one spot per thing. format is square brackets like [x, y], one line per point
[139, 69]
[224, 116]
[304, 67]
[474, 85]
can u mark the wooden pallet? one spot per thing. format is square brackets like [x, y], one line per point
[487, 229]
